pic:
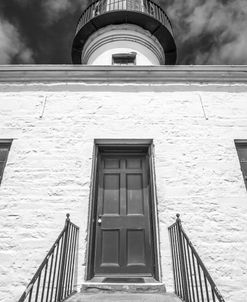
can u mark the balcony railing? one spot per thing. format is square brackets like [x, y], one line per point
[192, 280]
[101, 7]
[53, 280]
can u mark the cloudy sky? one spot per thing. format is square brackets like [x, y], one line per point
[41, 31]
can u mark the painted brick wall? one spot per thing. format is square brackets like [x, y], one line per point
[197, 170]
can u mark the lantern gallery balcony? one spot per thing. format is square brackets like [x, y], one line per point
[107, 6]
[143, 13]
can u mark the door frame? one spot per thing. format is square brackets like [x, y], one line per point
[104, 145]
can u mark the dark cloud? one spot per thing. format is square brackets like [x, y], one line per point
[12, 45]
[41, 31]
[46, 26]
[209, 31]
[58, 9]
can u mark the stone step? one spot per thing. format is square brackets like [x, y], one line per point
[98, 287]
[123, 297]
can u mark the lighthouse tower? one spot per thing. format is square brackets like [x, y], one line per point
[124, 32]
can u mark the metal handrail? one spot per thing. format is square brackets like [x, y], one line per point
[53, 281]
[192, 280]
[100, 7]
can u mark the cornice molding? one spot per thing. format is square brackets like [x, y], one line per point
[123, 74]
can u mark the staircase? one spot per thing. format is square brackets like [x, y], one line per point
[123, 297]
[123, 292]
[54, 279]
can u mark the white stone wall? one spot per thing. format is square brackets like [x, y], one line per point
[197, 170]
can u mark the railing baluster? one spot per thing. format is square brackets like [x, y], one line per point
[190, 268]
[66, 264]
[73, 230]
[71, 258]
[59, 270]
[173, 260]
[206, 287]
[213, 295]
[186, 268]
[49, 278]
[178, 262]
[55, 269]
[30, 295]
[157, 12]
[200, 281]
[44, 280]
[194, 269]
[74, 255]
[68, 258]
[64, 261]
[191, 278]
[181, 254]
[37, 289]
[65, 267]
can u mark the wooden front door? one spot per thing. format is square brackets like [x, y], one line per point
[123, 237]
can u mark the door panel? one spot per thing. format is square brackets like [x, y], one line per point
[110, 248]
[111, 194]
[111, 163]
[135, 247]
[123, 224]
[134, 163]
[134, 189]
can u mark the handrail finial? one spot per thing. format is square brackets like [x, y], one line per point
[178, 216]
[67, 217]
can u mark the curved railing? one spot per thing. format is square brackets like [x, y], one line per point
[53, 280]
[192, 280]
[101, 7]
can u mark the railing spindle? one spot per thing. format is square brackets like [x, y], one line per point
[186, 269]
[213, 295]
[206, 287]
[55, 269]
[200, 281]
[68, 258]
[30, 295]
[181, 255]
[173, 261]
[191, 276]
[74, 256]
[44, 280]
[49, 278]
[63, 261]
[73, 238]
[178, 261]
[37, 289]
[195, 277]
[59, 271]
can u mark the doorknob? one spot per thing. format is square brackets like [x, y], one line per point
[99, 219]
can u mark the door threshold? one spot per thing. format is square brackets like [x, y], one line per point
[130, 287]
[123, 279]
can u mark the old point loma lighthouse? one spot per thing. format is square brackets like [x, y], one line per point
[124, 32]
[123, 140]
